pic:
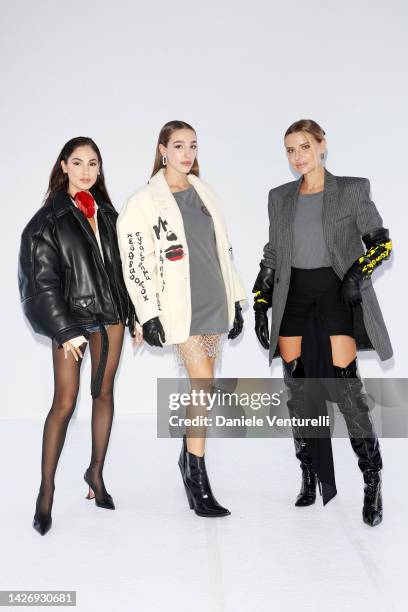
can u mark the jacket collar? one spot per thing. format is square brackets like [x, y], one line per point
[160, 188]
[329, 189]
[62, 203]
[167, 202]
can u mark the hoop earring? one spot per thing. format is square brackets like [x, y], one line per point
[321, 155]
[164, 160]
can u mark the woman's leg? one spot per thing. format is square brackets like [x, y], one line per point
[293, 374]
[66, 385]
[200, 369]
[289, 347]
[352, 402]
[343, 350]
[103, 405]
[198, 354]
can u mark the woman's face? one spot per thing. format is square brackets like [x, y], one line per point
[82, 168]
[181, 150]
[304, 152]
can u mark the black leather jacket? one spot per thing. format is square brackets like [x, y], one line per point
[64, 283]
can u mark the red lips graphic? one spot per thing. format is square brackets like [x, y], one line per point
[174, 252]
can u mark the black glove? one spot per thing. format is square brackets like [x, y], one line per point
[132, 320]
[263, 289]
[350, 286]
[153, 332]
[261, 327]
[379, 247]
[238, 322]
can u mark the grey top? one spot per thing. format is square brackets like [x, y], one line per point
[209, 310]
[309, 247]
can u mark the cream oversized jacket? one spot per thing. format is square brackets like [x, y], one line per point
[155, 256]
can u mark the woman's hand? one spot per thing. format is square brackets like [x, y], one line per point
[261, 328]
[350, 290]
[238, 322]
[138, 337]
[263, 290]
[76, 351]
[153, 332]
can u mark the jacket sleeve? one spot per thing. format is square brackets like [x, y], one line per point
[269, 252]
[238, 288]
[375, 237]
[40, 285]
[137, 251]
[368, 218]
[239, 291]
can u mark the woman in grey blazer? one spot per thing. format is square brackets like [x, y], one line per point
[316, 275]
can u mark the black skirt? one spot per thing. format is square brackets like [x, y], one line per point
[310, 288]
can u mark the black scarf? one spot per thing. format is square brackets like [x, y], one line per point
[318, 363]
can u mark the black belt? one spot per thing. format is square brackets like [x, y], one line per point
[96, 383]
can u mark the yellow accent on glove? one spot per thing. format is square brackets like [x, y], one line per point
[374, 257]
[257, 300]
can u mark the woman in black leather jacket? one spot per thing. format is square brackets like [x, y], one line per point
[72, 290]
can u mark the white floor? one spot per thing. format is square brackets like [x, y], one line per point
[153, 553]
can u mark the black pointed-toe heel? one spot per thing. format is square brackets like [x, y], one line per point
[102, 502]
[307, 495]
[182, 457]
[197, 486]
[373, 506]
[42, 520]
[189, 497]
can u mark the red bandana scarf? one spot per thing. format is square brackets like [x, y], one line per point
[85, 203]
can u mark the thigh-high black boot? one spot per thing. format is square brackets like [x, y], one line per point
[352, 402]
[294, 376]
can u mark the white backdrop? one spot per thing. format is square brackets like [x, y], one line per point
[240, 73]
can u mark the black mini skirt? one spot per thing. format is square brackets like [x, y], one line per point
[316, 287]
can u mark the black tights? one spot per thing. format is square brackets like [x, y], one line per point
[66, 386]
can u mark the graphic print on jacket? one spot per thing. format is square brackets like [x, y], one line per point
[133, 273]
[175, 251]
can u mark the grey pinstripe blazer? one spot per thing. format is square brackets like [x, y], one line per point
[348, 214]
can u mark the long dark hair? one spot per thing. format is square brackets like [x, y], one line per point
[164, 137]
[59, 180]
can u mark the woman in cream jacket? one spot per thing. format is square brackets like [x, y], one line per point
[178, 269]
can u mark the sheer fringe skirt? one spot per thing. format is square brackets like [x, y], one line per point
[197, 347]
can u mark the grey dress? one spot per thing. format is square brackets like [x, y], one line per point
[209, 310]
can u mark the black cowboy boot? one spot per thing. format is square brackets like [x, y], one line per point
[197, 486]
[352, 402]
[293, 373]
[183, 457]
